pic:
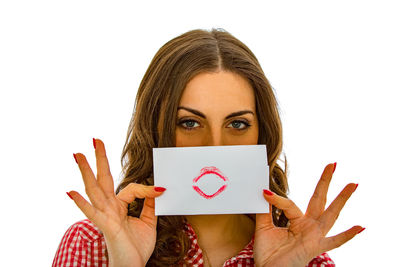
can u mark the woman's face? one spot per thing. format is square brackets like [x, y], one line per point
[217, 109]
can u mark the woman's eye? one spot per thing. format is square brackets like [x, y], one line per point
[189, 124]
[240, 125]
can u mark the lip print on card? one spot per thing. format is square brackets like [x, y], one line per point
[210, 173]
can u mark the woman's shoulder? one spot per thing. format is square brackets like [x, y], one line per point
[83, 244]
[86, 230]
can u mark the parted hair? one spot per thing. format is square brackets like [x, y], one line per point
[154, 120]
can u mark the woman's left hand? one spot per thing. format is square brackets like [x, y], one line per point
[304, 238]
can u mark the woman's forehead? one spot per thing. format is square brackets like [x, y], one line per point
[218, 90]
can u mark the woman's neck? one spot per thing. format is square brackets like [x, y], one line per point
[226, 231]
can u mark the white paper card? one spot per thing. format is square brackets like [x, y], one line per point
[211, 180]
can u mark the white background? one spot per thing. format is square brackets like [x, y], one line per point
[69, 71]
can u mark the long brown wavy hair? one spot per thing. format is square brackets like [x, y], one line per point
[154, 120]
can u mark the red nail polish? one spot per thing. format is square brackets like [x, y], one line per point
[75, 158]
[70, 196]
[94, 143]
[355, 187]
[334, 167]
[267, 192]
[159, 189]
[361, 230]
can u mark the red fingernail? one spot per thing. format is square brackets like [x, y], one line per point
[159, 189]
[334, 167]
[267, 192]
[356, 187]
[69, 196]
[94, 143]
[361, 230]
[75, 158]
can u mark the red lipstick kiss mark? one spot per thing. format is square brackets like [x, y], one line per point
[205, 171]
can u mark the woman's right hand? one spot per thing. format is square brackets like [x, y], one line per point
[130, 241]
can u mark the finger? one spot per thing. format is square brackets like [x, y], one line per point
[148, 213]
[338, 240]
[330, 215]
[289, 208]
[317, 203]
[92, 189]
[104, 177]
[83, 205]
[133, 191]
[264, 220]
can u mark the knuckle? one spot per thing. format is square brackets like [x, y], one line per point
[132, 186]
[332, 215]
[149, 204]
[324, 181]
[316, 195]
[319, 196]
[290, 203]
[140, 190]
[87, 190]
[343, 197]
[104, 173]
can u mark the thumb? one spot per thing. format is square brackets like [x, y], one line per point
[148, 213]
[264, 220]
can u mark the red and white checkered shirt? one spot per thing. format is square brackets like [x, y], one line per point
[83, 245]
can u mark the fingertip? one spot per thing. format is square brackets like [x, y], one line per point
[362, 229]
[269, 196]
[99, 142]
[100, 147]
[69, 195]
[351, 187]
[159, 189]
[73, 194]
[356, 185]
[81, 160]
[78, 157]
[334, 167]
[268, 193]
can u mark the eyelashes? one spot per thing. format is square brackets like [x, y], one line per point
[188, 124]
[245, 124]
[191, 124]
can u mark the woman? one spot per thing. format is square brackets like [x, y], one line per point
[201, 89]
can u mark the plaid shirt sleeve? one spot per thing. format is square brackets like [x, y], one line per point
[82, 245]
[322, 260]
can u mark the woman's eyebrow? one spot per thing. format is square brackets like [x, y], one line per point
[238, 113]
[234, 114]
[194, 111]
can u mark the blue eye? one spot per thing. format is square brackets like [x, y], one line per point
[189, 124]
[239, 125]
